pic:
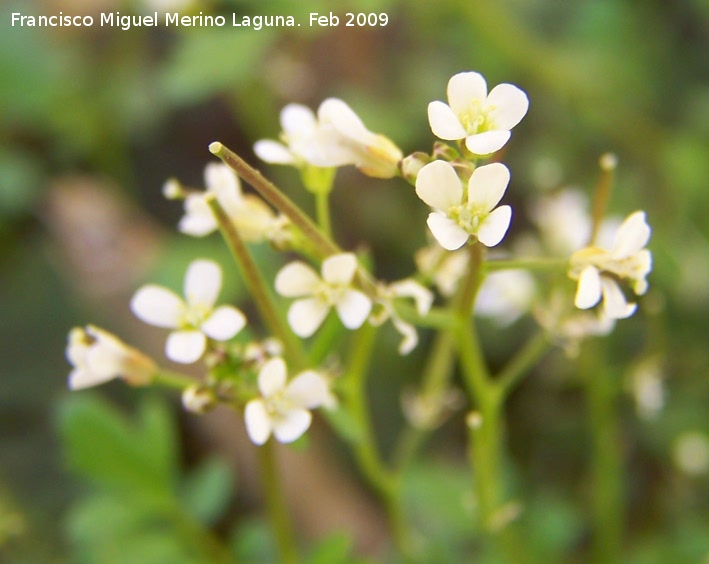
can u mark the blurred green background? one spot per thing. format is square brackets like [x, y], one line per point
[94, 120]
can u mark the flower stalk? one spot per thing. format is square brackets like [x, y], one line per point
[255, 283]
[323, 246]
[276, 504]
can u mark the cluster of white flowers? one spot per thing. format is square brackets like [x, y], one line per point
[463, 188]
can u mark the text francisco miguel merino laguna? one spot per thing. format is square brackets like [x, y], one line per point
[125, 22]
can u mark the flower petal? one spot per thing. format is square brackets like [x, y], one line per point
[272, 377]
[198, 220]
[487, 185]
[273, 152]
[224, 323]
[296, 279]
[185, 347]
[446, 231]
[157, 306]
[345, 121]
[615, 305]
[353, 309]
[258, 421]
[465, 88]
[487, 142]
[339, 269]
[438, 185]
[444, 123]
[494, 227]
[507, 105]
[291, 425]
[297, 120]
[203, 282]
[409, 334]
[306, 315]
[80, 379]
[632, 236]
[218, 177]
[588, 291]
[409, 288]
[308, 389]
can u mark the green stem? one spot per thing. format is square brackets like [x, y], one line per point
[255, 283]
[521, 363]
[541, 264]
[171, 379]
[485, 427]
[606, 463]
[434, 384]
[322, 210]
[322, 244]
[475, 373]
[385, 483]
[276, 503]
[601, 198]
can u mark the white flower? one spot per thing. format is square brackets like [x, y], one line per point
[337, 137]
[483, 120]
[193, 320]
[284, 407]
[461, 213]
[352, 143]
[597, 270]
[98, 357]
[444, 268]
[505, 296]
[297, 279]
[252, 217]
[563, 220]
[407, 288]
[300, 129]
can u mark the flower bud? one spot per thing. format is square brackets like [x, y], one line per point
[410, 165]
[199, 399]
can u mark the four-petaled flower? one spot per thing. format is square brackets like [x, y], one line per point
[598, 270]
[336, 137]
[483, 120]
[251, 215]
[193, 320]
[461, 213]
[297, 280]
[284, 407]
[98, 357]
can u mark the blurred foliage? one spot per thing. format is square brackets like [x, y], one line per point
[137, 107]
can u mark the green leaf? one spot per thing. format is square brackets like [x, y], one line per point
[119, 528]
[207, 491]
[105, 447]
